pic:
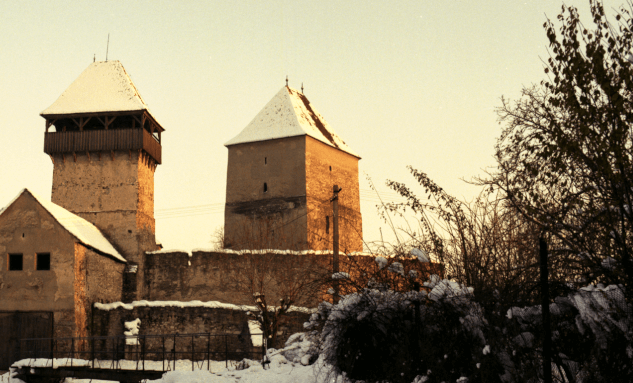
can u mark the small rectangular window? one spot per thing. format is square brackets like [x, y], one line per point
[15, 262]
[43, 261]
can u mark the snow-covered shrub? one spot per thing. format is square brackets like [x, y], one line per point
[592, 333]
[376, 334]
[301, 348]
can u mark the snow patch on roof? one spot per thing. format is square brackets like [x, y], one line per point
[289, 114]
[84, 231]
[104, 86]
[180, 304]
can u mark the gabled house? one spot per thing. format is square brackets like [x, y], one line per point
[55, 264]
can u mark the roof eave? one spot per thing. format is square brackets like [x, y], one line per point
[228, 144]
[55, 116]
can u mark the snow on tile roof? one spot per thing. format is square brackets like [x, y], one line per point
[104, 86]
[289, 114]
[84, 231]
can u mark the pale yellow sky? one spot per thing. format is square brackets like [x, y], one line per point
[402, 82]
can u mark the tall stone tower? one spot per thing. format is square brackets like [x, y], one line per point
[105, 146]
[281, 171]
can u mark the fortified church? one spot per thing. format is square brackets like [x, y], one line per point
[70, 263]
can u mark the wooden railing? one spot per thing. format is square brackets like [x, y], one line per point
[102, 140]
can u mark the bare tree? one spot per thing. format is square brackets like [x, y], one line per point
[485, 244]
[279, 281]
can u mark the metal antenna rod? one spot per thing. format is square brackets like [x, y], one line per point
[107, 47]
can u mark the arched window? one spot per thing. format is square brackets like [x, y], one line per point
[265, 187]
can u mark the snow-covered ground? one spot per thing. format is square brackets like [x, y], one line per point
[290, 364]
[281, 371]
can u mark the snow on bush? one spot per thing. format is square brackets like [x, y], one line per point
[591, 336]
[375, 334]
[396, 267]
[300, 348]
[382, 262]
[420, 255]
[340, 275]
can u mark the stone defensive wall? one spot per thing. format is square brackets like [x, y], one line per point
[206, 291]
[227, 324]
[234, 276]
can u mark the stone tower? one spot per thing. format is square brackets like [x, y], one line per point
[281, 171]
[105, 146]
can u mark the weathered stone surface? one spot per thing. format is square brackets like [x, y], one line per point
[115, 192]
[77, 277]
[190, 320]
[326, 167]
[266, 195]
[278, 196]
[226, 277]
[30, 289]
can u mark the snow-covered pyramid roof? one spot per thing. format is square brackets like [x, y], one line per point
[289, 114]
[104, 86]
[84, 231]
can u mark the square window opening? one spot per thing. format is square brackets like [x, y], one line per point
[16, 262]
[43, 261]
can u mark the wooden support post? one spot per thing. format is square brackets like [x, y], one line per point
[112, 154]
[88, 154]
[49, 123]
[547, 333]
[335, 284]
[75, 156]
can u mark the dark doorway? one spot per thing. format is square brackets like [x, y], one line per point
[19, 325]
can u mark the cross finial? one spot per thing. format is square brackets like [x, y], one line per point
[286, 80]
[302, 88]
